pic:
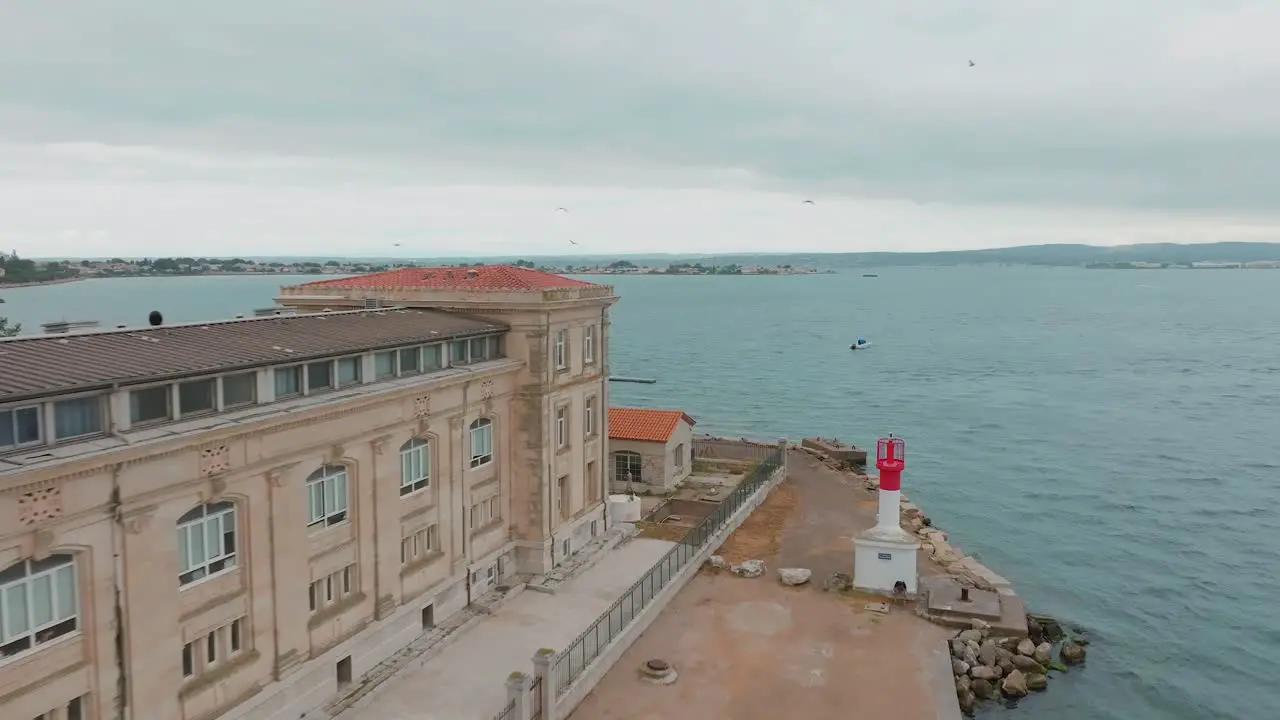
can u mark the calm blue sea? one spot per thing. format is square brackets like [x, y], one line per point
[1105, 439]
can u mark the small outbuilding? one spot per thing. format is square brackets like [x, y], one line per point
[649, 449]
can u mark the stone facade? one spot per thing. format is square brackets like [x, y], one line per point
[293, 608]
[662, 465]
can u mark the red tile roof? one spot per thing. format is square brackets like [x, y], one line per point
[474, 277]
[643, 424]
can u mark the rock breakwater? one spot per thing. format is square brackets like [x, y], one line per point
[1005, 669]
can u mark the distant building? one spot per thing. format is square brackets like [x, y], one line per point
[650, 448]
[265, 509]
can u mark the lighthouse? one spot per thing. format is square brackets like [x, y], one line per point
[884, 556]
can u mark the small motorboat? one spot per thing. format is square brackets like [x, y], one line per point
[861, 344]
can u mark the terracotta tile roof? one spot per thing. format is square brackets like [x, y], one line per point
[474, 277]
[33, 366]
[643, 424]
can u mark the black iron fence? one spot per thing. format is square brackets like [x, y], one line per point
[508, 712]
[535, 694]
[587, 647]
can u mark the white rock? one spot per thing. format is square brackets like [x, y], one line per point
[716, 561]
[749, 569]
[794, 576]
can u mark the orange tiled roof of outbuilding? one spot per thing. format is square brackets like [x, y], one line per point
[644, 424]
[473, 277]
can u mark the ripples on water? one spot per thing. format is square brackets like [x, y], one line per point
[1108, 446]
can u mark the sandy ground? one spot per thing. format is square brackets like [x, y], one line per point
[747, 649]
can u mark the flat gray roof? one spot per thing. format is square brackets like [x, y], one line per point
[36, 366]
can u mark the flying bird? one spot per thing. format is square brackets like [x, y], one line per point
[563, 210]
[809, 202]
[972, 63]
[572, 242]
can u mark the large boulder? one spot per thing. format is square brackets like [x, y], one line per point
[717, 562]
[1002, 655]
[984, 689]
[1026, 664]
[959, 667]
[1014, 685]
[1072, 653]
[749, 569]
[1037, 681]
[970, 636]
[1043, 653]
[1026, 647]
[987, 654]
[967, 702]
[970, 657]
[982, 672]
[837, 582]
[957, 648]
[963, 683]
[794, 576]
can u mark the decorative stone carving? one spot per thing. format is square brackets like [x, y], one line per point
[136, 521]
[40, 506]
[215, 459]
[486, 390]
[335, 455]
[422, 406]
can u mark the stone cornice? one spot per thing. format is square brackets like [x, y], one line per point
[144, 452]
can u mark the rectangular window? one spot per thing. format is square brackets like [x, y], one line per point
[589, 345]
[481, 442]
[196, 397]
[458, 352]
[149, 405]
[495, 347]
[19, 426]
[211, 645]
[432, 357]
[384, 364]
[349, 371]
[562, 349]
[589, 417]
[562, 427]
[678, 455]
[562, 489]
[410, 361]
[77, 417]
[319, 376]
[75, 709]
[288, 382]
[415, 466]
[188, 661]
[479, 349]
[237, 629]
[593, 482]
[346, 581]
[327, 497]
[38, 603]
[206, 542]
[239, 390]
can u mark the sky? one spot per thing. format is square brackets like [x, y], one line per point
[434, 128]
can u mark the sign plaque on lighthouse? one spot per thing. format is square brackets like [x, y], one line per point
[884, 556]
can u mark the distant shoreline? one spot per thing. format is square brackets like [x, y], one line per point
[37, 283]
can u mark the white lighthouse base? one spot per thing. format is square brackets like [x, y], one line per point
[882, 559]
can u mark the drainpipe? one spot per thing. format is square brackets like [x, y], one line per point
[373, 473]
[602, 427]
[462, 494]
[271, 567]
[549, 478]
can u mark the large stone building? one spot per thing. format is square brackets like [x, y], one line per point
[235, 519]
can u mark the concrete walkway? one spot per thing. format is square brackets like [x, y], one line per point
[465, 681]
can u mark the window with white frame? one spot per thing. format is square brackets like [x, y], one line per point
[432, 357]
[38, 602]
[327, 496]
[19, 426]
[196, 397]
[415, 466]
[626, 466]
[589, 417]
[332, 588]
[420, 544]
[349, 371]
[150, 405]
[288, 381]
[319, 376]
[562, 426]
[458, 353]
[206, 541]
[678, 455]
[239, 389]
[562, 349]
[481, 436]
[589, 345]
[411, 361]
[384, 364]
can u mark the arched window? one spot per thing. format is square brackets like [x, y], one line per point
[38, 602]
[206, 541]
[626, 466]
[415, 466]
[481, 442]
[327, 496]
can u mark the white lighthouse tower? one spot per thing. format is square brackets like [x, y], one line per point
[884, 557]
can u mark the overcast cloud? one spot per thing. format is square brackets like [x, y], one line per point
[141, 126]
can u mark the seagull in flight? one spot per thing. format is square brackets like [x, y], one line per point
[563, 210]
[972, 63]
[571, 242]
[809, 202]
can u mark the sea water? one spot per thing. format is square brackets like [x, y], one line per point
[1107, 440]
